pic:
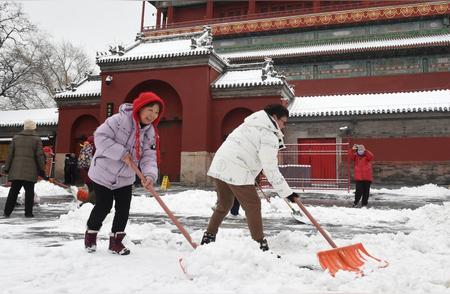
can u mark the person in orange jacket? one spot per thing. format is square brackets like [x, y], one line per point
[363, 176]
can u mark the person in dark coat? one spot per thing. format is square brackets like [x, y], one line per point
[25, 162]
[67, 177]
[362, 159]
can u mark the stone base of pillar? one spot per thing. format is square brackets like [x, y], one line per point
[59, 165]
[194, 166]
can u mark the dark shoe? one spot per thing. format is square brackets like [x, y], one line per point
[90, 240]
[208, 238]
[263, 245]
[6, 215]
[115, 243]
[356, 205]
[29, 215]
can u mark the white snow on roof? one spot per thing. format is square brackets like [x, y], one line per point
[46, 116]
[343, 47]
[359, 104]
[244, 78]
[84, 89]
[156, 49]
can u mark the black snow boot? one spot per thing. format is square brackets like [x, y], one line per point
[263, 245]
[208, 238]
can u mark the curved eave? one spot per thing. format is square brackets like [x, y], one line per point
[152, 56]
[241, 85]
[336, 52]
[21, 124]
[77, 95]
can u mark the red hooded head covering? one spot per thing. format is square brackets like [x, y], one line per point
[142, 100]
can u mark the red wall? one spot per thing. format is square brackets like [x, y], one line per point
[399, 83]
[189, 13]
[233, 119]
[407, 149]
[67, 117]
[192, 86]
[221, 107]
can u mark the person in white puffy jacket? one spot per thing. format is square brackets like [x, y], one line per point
[250, 148]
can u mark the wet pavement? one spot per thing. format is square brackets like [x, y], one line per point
[52, 207]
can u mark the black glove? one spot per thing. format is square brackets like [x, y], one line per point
[292, 197]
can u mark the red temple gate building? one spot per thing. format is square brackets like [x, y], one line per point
[324, 56]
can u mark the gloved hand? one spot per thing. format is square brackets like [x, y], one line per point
[127, 159]
[147, 183]
[292, 197]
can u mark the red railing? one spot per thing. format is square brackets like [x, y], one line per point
[302, 11]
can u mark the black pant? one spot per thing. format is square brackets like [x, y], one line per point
[16, 185]
[235, 209]
[103, 205]
[362, 189]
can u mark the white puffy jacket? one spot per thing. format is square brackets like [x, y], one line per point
[250, 148]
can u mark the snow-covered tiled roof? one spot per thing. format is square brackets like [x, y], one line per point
[245, 78]
[344, 47]
[188, 44]
[86, 88]
[361, 104]
[46, 116]
[155, 50]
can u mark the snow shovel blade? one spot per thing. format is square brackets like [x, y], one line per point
[299, 217]
[348, 258]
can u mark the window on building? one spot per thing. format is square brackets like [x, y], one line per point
[425, 64]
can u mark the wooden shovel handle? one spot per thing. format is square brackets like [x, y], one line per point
[163, 205]
[314, 222]
[264, 194]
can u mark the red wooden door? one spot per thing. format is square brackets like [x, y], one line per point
[320, 154]
[170, 146]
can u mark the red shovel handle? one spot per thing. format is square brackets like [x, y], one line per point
[163, 205]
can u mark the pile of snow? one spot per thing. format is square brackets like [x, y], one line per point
[425, 190]
[42, 188]
[234, 264]
[418, 259]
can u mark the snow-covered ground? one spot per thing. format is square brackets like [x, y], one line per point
[47, 256]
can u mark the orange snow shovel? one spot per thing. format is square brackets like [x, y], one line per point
[164, 207]
[347, 258]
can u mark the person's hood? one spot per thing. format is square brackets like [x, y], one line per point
[262, 120]
[146, 98]
[126, 109]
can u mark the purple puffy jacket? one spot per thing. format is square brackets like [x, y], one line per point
[113, 139]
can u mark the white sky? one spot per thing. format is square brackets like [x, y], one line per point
[90, 24]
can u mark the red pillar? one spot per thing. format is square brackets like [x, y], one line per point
[142, 16]
[251, 6]
[158, 18]
[164, 20]
[209, 9]
[170, 15]
[316, 6]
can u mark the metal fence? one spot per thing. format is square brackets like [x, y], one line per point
[318, 166]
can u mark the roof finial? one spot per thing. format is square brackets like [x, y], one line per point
[205, 40]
